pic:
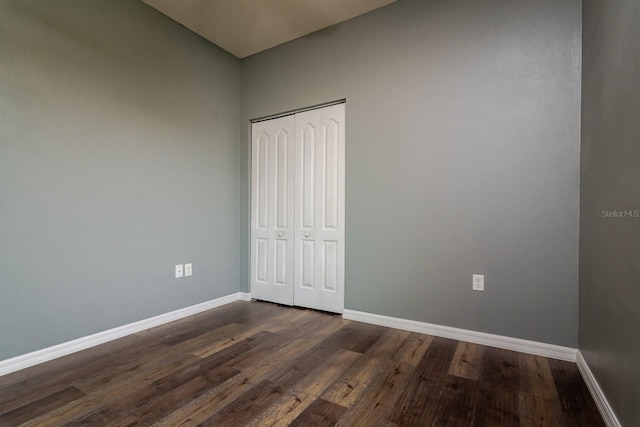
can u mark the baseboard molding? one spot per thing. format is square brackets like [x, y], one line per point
[507, 343]
[30, 359]
[606, 411]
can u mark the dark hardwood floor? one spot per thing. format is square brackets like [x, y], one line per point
[260, 364]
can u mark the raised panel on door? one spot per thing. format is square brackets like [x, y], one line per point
[272, 217]
[319, 197]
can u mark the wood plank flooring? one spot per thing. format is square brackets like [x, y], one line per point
[260, 364]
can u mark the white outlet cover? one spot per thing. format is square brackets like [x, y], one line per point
[188, 269]
[179, 271]
[478, 282]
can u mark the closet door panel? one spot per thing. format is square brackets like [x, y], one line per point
[320, 167]
[272, 217]
[307, 176]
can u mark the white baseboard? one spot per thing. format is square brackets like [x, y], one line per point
[606, 411]
[30, 359]
[507, 343]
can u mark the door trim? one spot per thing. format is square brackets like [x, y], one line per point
[299, 110]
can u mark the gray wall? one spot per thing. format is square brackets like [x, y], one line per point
[119, 158]
[610, 181]
[462, 157]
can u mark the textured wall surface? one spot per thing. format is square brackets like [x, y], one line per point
[610, 202]
[118, 159]
[463, 136]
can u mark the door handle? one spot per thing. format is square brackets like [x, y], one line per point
[279, 234]
[306, 234]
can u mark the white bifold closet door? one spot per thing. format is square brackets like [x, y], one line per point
[272, 218]
[297, 209]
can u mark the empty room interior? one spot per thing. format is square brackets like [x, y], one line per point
[374, 212]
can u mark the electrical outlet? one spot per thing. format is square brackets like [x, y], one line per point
[188, 269]
[478, 282]
[179, 271]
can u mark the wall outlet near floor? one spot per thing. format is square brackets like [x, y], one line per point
[179, 271]
[478, 282]
[188, 269]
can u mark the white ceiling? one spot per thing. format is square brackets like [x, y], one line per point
[245, 27]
